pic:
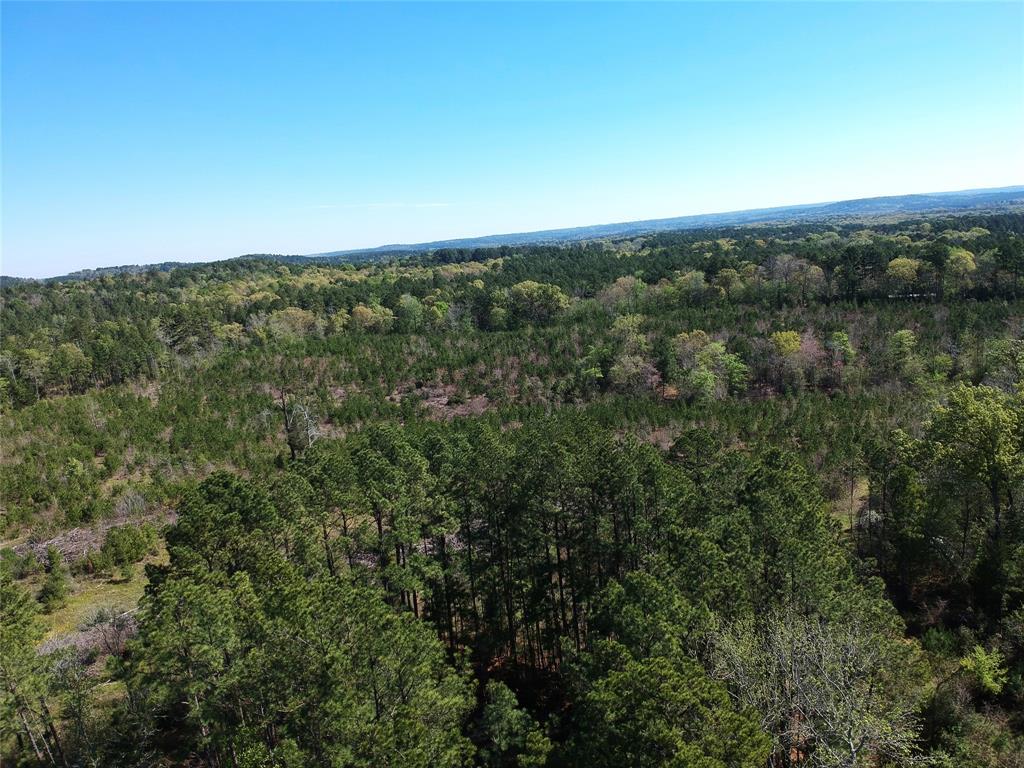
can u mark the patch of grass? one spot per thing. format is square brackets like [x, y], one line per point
[108, 694]
[91, 594]
[849, 504]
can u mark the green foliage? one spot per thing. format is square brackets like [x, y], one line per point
[653, 712]
[264, 658]
[903, 271]
[373, 318]
[530, 300]
[986, 667]
[512, 737]
[787, 343]
[24, 716]
[705, 370]
[409, 314]
[292, 322]
[54, 591]
[959, 266]
[127, 544]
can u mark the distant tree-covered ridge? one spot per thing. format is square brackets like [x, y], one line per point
[68, 337]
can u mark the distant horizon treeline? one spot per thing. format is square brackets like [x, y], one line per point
[69, 337]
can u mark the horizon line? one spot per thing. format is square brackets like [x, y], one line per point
[526, 233]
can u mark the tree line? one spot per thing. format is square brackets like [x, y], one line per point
[63, 337]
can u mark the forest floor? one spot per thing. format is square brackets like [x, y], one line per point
[848, 505]
[90, 595]
[78, 622]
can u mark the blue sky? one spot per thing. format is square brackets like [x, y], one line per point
[143, 132]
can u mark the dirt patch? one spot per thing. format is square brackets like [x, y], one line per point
[662, 437]
[75, 543]
[146, 390]
[669, 392]
[107, 635]
[443, 402]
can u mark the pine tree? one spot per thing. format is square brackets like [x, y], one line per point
[54, 592]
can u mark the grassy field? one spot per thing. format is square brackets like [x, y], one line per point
[89, 596]
[91, 593]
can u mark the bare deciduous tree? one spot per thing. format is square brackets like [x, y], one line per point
[301, 424]
[832, 694]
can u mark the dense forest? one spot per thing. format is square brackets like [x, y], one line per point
[718, 498]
